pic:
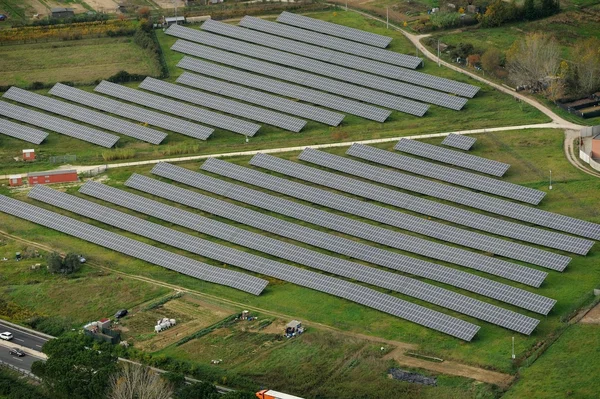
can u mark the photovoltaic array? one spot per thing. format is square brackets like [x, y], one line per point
[334, 57]
[316, 260]
[336, 43]
[178, 108]
[131, 111]
[505, 208]
[223, 104]
[22, 132]
[353, 292]
[460, 141]
[321, 68]
[447, 174]
[285, 89]
[391, 217]
[302, 78]
[85, 115]
[261, 98]
[483, 286]
[442, 211]
[332, 29]
[452, 157]
[58, 125]
[335, 222]
[128, 246]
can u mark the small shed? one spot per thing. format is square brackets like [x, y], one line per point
[15, 180]
[62, 12]
[174, 20]
[52, 176]
[29, 155]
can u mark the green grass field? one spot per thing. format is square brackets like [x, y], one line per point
[79, 61]
[488, 109]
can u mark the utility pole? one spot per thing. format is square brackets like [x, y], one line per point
[387, 18]
[550, 180]
[175, 6]
[439, 62]
[346, 5]
[513, 348]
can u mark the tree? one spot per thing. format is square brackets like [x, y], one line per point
[529, 10]
[586, 56]
[71, 263]
[199, 390]
[144, 13]
[491, 59]
[77, 367]
[54, 263]
[462, 50]
[533, 60]
[238, 395]
[135, 381]
[473, 60]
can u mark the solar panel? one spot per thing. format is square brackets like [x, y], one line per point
[302, 78]
[286, 89]
[58, 125]
[130, 247]
[356, 35]
[442, 211]
[131, 111]
[257, 264]
[334, 57]
[460, 141]
[340, 245]
[544, 218]
[222, 104]
[261, 98]
[452, 157]
[307, 257]
[395, 87]
[447, 174]
[85, 115]
[22, 132]
[177, 108]
[412, 223]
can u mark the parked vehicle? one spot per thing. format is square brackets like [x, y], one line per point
[6, 336]
[270, 394]
[121, 313]
[16, 352]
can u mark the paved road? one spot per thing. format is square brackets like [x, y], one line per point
[23, 339]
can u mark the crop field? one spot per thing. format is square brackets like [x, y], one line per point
[531, 154]
[489, 108]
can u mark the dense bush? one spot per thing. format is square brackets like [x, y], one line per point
[12, 387]
[500, 12]
[54, 325]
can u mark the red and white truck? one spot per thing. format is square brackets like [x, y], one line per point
[270, 394]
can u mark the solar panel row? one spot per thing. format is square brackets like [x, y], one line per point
[257, 264]
[223, 104]
[492, 289]
[261, 98]
[334, 57]
[22, 132]
[285, 89]
[332, 29]
[302, 78]
[460, 141]
[336, 43]
[85, 115]
[328, 220]
[544, 218]
[403, 220]
[452, 157]
[128, 246]
[131, 111]
[58, 125]
[178, 108]
[316, 260]
[321, 68]
[447, 174]
[460, 216]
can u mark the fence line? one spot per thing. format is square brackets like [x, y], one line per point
[19, 370]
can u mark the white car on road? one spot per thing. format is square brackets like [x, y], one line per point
[6, 336]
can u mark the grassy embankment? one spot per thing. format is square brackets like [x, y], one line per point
[488, 109]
